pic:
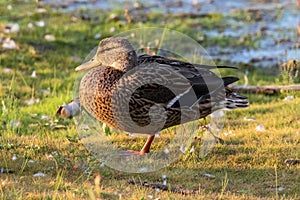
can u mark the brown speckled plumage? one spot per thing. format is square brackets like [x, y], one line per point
[115, 57]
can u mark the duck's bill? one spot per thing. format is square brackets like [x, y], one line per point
[88, 65]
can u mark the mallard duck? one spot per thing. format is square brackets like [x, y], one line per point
[200, 93]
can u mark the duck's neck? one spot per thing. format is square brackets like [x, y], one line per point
[125, 62]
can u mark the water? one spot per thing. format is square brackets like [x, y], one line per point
[277, 26]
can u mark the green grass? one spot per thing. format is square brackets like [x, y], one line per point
[250, 165]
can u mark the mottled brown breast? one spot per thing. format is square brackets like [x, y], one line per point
[95, 91]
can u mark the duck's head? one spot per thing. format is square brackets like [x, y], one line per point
[114, 52]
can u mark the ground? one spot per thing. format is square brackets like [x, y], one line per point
[50, 162]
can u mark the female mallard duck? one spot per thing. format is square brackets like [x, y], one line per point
[100, 89]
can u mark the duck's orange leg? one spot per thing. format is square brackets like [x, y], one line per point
[146, 147]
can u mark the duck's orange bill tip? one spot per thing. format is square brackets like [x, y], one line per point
[85, 66]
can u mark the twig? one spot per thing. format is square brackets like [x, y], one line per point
[271, 89]
[163, 187]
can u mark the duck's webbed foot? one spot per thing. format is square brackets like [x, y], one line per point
[145, 149]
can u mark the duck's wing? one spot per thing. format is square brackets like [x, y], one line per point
[200, 77]
[145, 58]
[183, 92]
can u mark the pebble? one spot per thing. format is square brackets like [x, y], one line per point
[209, 175]
[15, 123]
[49, 156]
[30, 25]
[166, 151]
[44, 117]
[182, 148]
[40, 23]
[289, 98]
[260, 128]
[7, 70]
[50, 37]
[9, 44]
[249, 119]
[39, 174]
[192, 149]
[12, 28]
[97, 36]
[227, 133]
[41, 10]
[33, 75]
[14, 157]
[112, 29]
[32, 101]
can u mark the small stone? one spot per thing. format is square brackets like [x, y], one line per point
[49, 156]
[33, 74]
[166, 151]
[280, 188]
[182, 148]
[249, 119]
[39, 174]
[14, 157]
[15, 123]
[85, 127]
[102, 164]
[41, 10]
[44, 117]
[7, 70]
[12, 28]
[164, 182]
[97, 36]
[45, 91]
[112, 16]
[32, 101]
[209, 175]
[143, 169]
[227, 133]
[192, 149]
[137, 4]
[9, 44]
[30, 25]
[50, 37]
[112, 29]
[260, 128]
[289, 98]
[40, 23]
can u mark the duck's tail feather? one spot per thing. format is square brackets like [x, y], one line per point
[234, 100]
[214, 66]
[229, 79]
